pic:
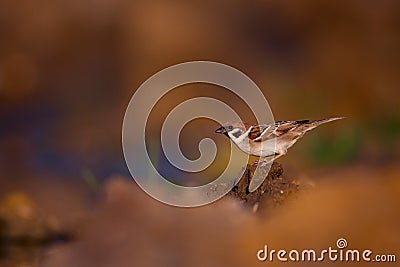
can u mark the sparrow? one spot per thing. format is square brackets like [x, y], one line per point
[268, 141]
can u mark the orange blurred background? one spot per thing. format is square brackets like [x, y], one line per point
[69, 68]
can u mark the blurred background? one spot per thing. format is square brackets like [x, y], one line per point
[69, 68]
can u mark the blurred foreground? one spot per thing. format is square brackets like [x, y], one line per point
[127, 227]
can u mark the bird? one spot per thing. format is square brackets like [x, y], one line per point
[268, 141]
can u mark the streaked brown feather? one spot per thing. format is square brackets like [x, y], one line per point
[280, 128]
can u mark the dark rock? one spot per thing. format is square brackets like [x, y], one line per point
[274, 190]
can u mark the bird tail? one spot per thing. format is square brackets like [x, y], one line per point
[319, 122]
[307, 125]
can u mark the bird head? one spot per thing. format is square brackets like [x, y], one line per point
[235, 128]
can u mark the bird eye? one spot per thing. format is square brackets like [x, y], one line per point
[230, 128]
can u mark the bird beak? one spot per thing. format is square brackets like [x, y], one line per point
[221, 130]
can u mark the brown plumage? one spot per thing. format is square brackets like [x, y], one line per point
[268, 141]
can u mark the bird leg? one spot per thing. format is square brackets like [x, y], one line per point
[264, 160]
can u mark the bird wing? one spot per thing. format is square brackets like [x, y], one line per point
[260, 131]
[265, 132]
[293, 129]
[299, 128]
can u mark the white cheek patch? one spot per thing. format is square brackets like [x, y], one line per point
[236, 133]
[242, 140]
